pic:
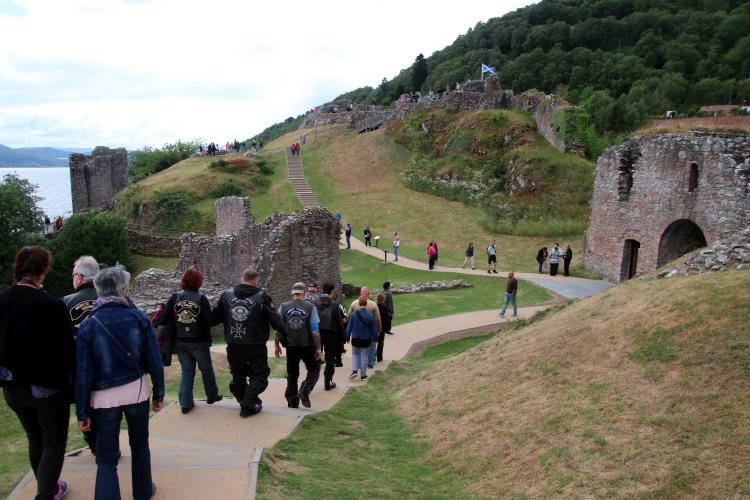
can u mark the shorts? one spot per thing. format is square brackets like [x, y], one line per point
[491, 259]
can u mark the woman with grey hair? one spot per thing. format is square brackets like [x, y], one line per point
[115, 349]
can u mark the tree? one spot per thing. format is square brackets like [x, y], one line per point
[419, 72]
[100, 234]
[20, 216]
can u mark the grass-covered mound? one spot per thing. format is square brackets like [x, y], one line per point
[497, 161]
[643, 390]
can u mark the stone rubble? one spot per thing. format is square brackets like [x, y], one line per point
[724, 255]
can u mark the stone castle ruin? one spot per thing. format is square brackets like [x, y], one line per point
[96, 178]
[659, 197]
[556, 119]
[303, 246]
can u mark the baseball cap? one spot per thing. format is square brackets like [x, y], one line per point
[298, 287]
[312, 285]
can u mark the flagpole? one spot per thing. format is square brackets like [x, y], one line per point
[481, 73]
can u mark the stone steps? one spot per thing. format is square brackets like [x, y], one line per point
[299, 183]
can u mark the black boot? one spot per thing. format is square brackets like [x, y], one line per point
[329, 384]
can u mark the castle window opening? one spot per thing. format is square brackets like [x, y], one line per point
[693, 181]
[625, 177]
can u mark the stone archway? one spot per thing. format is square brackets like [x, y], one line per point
[680, 237]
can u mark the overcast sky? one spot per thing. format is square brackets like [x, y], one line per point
[134, 73]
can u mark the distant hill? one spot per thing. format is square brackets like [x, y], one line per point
[37, 157]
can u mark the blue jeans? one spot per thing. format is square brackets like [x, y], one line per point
[359, 359]
[190, 353]
[107, 423]
[509, 297]
[371, 354]
[46, 424]
[395, 253]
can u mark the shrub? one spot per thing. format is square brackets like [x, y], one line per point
[264, 167]
[227, 188]
[172, 204]
[147, 161]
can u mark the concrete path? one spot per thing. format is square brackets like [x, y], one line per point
[213, 453]
[566, 286]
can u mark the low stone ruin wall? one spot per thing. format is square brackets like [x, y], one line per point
[149, 244]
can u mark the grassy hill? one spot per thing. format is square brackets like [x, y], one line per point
[643, 390]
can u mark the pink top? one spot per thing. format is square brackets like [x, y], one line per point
[128, 394]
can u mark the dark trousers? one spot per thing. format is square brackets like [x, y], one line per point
[381, 340]
[249, 367]
[553, 268]
[332, 348]
[295, 354]
[367, 241]
[566, 267]
[46, 424]
[431, 262]
[348, 241]
[107, 421]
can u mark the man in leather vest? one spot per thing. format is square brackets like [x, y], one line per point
[80, 304]
[247, 312]
[331, 331]
[301, 320]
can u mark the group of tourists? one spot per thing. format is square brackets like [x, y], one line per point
[554, 256]
[294, 148]
[96, 349]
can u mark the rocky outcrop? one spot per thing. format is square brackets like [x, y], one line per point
[724, 255]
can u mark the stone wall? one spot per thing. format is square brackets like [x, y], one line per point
[96, 178]
[544, 108]
[149, 244]
[232, 214]
[284, 249]
[659, 197]
[723, 255]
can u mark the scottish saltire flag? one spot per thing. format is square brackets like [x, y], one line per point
[487, 69]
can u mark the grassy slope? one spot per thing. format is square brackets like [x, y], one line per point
[642, 390]
[358, 175]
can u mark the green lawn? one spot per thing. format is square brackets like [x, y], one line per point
[486, 291]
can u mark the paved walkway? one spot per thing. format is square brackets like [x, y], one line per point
[565, 286]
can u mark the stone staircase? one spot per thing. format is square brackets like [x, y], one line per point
[297, 176]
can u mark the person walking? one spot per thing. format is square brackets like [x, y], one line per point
[368, 236]
[541, 258]
[491, 258]
[387, 321]
[115, 349]
[396, 244]
[331, 332]
[37, 363]
[342, 338]
[554, 259]
[188, 313]
[384, 313]
[247, 313]
[362, 331]
[431, 255]
[567, 257]
[302, 337]
[469, 256]
[364, 297]
[511, 290]
[348, 234]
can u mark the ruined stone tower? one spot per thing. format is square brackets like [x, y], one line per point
[659, 197]
[95, 179]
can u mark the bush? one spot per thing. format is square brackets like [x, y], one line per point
[227, 188]
[172, 204]
[148, 161]
[264, 167]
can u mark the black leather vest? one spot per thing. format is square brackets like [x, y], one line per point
[244, 321]
[187, 311]
[80, 304]
[296, 315]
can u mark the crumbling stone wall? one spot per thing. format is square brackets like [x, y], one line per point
[658, 197]
[284, 248]
[96, 178]
[232, 214]
[149, 244]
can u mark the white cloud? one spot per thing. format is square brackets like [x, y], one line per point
[134, 73]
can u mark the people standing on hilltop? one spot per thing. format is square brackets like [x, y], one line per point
[37, 365]
[115, 349]
[396, 244]
[541, 258]
[554, 259]
[469, 255]
[247, 312]
[188, 313]
[368, 236]
[348, 234]
[491, 258]
[511, 290]
[567, 257]
[302, 336]
[228, 147]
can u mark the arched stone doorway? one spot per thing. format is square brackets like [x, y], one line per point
[629, 259]
[680, 237]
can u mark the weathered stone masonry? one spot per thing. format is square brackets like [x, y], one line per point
[95, 179]
[659, 197]
[284, 248]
